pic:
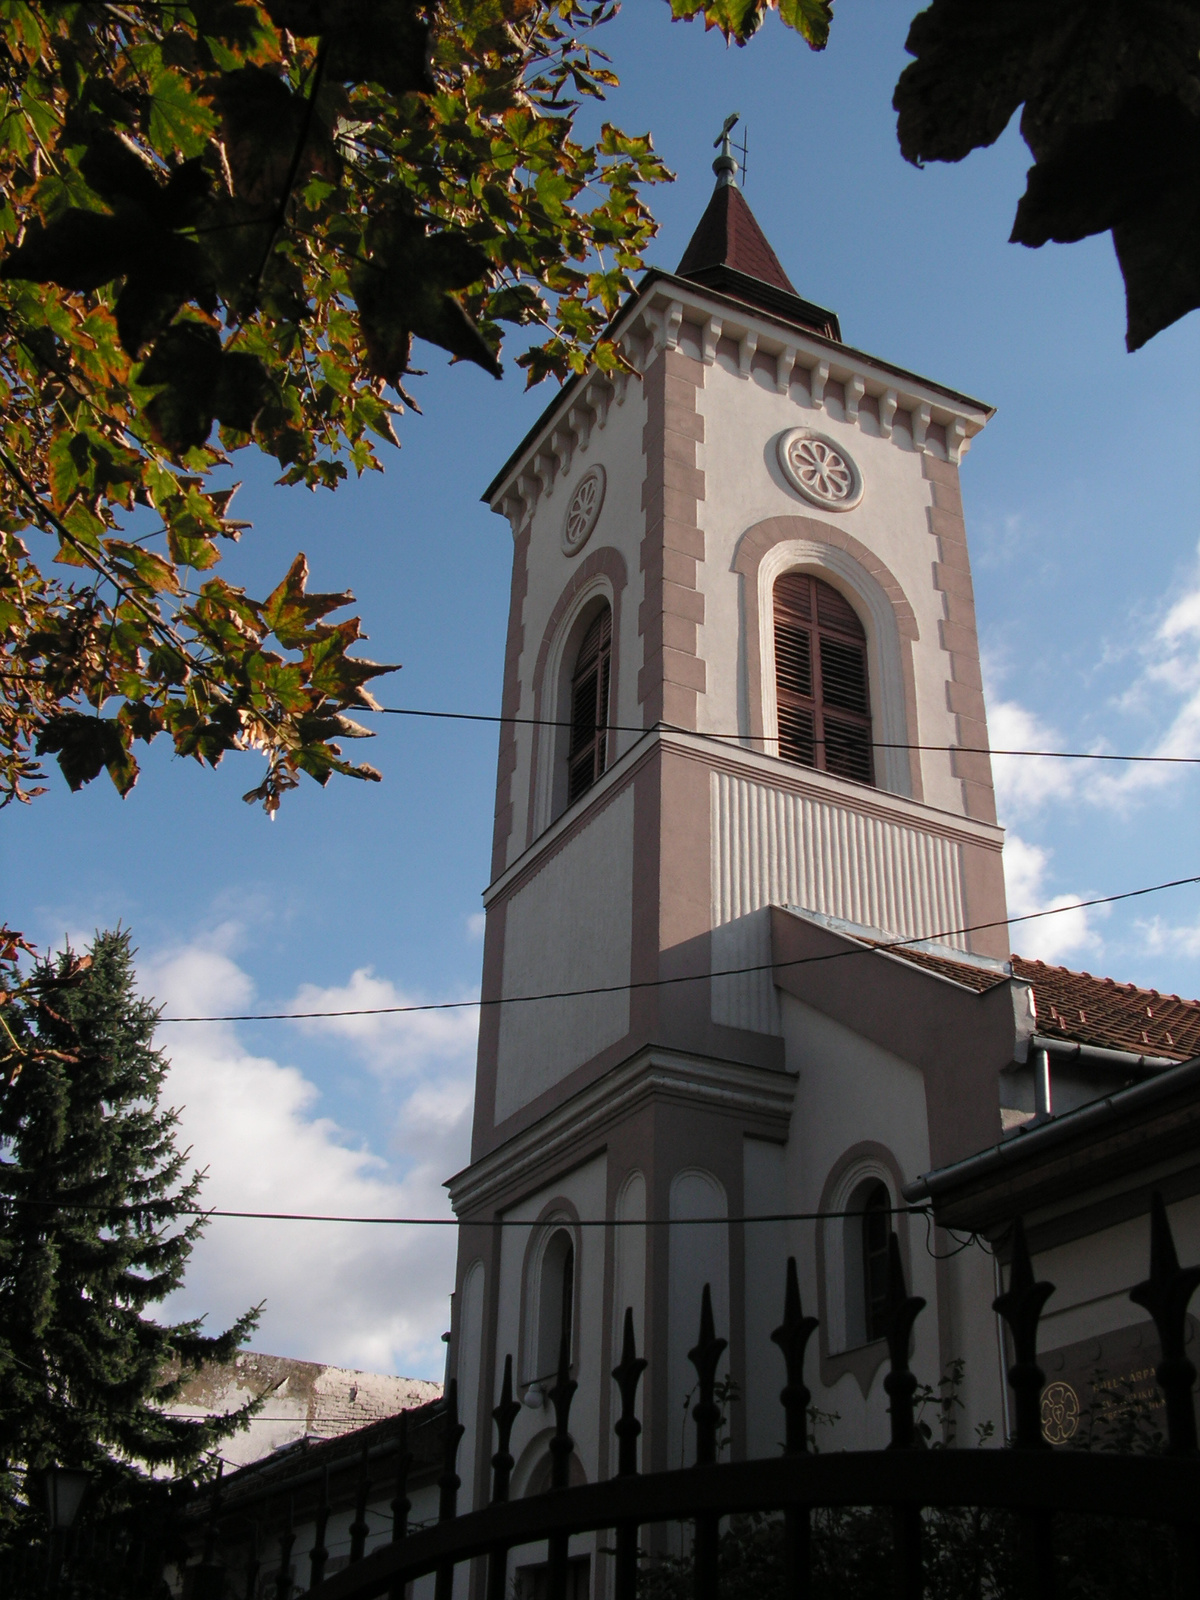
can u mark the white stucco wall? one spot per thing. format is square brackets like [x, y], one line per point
[765, 1190]
[1093, 1276]
[744, 416]
[699, 1255]
[569, 927]
[850, 1091]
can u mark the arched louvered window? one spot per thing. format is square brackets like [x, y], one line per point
[821, 679]
[587, 754]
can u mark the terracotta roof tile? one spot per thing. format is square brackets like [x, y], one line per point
[1085, 1010]
[1118, 1016]
[964, 972]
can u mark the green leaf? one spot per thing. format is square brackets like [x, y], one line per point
[810, 18]
[289, 612]
[149, 568]
[178, 120]
[85, 746]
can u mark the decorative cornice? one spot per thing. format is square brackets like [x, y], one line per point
[654, 318]
[729, 1087]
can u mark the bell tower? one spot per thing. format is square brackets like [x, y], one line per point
[743, 655]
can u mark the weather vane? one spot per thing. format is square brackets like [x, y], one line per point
[725, 166]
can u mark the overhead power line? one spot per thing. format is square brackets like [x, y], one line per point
[491, 1222]
[666, 727]
[690, 977]
[739, 738]
[876, 744]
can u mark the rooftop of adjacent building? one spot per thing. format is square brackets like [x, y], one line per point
[1082, 1009]
[302, 1463]
[302, 1401]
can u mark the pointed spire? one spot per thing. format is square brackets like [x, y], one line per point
[729, 252]
[729, 236]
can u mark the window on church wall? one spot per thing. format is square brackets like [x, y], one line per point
[587, 753]
[556, 1304]
[868, 1226]
[821, 684]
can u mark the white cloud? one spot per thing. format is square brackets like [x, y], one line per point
[476, 923]
[400, 1043]
[373, 1297]
[1161, 938]
[1046, 938]
[1162, 692]
[1168, 683]
[1026, 784]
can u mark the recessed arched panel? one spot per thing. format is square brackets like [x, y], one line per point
[470, 1346]
[699, 1254]
[599, 579]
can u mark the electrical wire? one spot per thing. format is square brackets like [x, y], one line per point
[876, 744]
[690, 977]
[493, 1222]
[740, 738]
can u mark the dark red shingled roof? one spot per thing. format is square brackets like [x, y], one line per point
[729, 236]
[1085, 1010]
[1118, 1015]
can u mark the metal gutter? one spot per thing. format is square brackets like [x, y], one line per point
[1025, 1146]
[1070, 1050]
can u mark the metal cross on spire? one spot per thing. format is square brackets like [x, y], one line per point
[726, 166]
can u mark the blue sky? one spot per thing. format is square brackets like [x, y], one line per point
[1082, 499]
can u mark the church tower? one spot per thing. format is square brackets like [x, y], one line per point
[749, 742]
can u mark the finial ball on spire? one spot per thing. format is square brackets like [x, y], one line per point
[725, 165]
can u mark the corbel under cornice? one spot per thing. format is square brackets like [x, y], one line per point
[655, 318]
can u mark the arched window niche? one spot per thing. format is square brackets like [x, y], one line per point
[865, 1244]
[575, 681]
[550, 1302]
[587, 737]
[861, 1208]
[768, 550]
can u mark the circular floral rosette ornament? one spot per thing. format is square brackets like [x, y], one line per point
[583, 510]
[1060, 1413]
[819, 469]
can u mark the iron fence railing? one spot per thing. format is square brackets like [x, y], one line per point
[1035, 1482]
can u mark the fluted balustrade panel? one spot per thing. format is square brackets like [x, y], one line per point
[779, 847]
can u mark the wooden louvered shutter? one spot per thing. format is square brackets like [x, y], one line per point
[587, 755]
[821, 679]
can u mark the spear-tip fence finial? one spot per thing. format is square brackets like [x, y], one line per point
[1021, 1306]
[792, 1337]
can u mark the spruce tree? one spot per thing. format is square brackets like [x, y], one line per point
[97, 1222]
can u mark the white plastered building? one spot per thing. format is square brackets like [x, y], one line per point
[746, 561]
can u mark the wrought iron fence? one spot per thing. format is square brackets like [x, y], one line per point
[1035, 1482]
